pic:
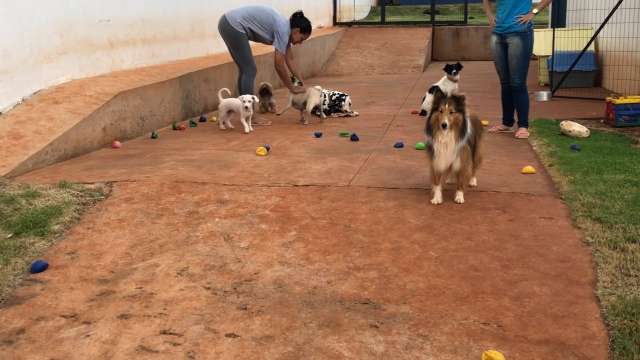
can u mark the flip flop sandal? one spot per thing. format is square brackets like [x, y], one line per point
[522, 133]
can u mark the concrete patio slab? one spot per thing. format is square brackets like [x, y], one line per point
[325, 249]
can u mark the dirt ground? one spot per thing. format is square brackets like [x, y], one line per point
[325, 249]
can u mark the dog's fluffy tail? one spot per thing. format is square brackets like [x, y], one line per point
[221, 91]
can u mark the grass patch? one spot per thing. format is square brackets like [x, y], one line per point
[601, 185]
[32, 218]
[35, 221]
[444, 13]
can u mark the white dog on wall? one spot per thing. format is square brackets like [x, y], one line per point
[448, 84]
[243, 106]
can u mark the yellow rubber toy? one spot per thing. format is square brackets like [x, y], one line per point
[262, 151]
[213, 119]
[528, 170]
[485, 122]
[492, 355]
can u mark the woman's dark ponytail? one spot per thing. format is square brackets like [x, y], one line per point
[299, 21]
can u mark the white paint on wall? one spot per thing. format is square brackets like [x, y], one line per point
[618, 44]
[44, 43]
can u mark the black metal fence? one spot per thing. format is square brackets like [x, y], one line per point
[415, 12]
[403, 12]
[595, 49]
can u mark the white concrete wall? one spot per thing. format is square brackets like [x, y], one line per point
[46, 42]
[618, 43]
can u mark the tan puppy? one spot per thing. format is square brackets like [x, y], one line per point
[305, 102]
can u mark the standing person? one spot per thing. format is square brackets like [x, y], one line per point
[512, 46]
[265, 25]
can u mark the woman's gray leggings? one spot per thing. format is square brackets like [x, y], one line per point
[238, 45]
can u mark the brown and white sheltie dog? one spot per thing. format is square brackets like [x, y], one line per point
[453, 138]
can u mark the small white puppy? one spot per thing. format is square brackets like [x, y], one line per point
[448, 84]
[305, 102]
[242, 106]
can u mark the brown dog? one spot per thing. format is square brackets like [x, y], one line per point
[265, 94]
[453, 137]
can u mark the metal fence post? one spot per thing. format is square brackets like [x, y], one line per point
[335, 12]
[466, 12]
[433, 13]
[559, 13]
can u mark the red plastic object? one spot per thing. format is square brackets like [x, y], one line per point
[623, 111]
[116, 144]
[415, 112]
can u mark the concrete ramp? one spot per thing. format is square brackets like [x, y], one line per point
[381, 51]
[84, 115]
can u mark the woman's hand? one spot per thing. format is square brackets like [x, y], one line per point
[291, 64]
[489, 12]
[492, 20]
[525, 19]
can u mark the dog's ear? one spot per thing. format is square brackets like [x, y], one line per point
[448, 68]
[255, 99]
[428, 130]
[459, 66]
[439, 97]
[460, 103]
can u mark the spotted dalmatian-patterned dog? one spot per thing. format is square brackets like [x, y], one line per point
[335, 104]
